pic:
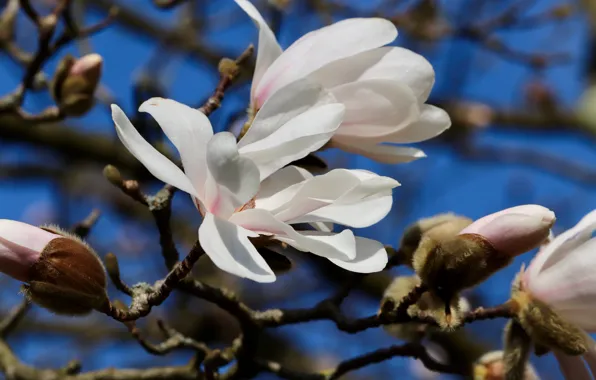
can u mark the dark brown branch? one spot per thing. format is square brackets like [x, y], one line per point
[144, 298]
[83, 228]
[411, 350]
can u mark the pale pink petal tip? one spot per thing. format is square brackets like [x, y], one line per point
[515, 230]
[87, 63]
[20, 247]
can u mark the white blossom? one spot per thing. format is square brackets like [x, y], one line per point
[242, 193]
[383, 88]
[563, 275]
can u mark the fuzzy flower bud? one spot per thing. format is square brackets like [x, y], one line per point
[438, 227]
[491, 366]
[74, 83]
[544, 325]
[484, 247]
[427, 306]
[60, 271]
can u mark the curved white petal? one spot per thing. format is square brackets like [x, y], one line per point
[155, 162]
[432, 122]
[277, 183]
[570, 286]
[310, 195]
[561, 246]
[291, 101]
[371, 256]
[228, 246]
[371, 184]
[236, 176]
[360, 214]
[189, 130]
[340, 246]
[572, 367]
[268, 49]
[392, 63]
[376, 108]
[389, 154]
[318, 48]
[295, 139]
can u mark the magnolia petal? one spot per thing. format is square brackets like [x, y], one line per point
[268, 49]
[432, 122]
[322, 226]
[393, 63]
[371, 184]
[371, 256]
[20, 247]
[236, 176]
[570, 286]
[357, 215]
[388, 154]
[291, 101]
[155, 162]
[228, 246]
[314, 193]
[572, 367]
[340, 246]
[563, 244]
[277, 183]
[297, 138]
[376, 108]
[189, 130]
[515, 230]
[330, 245]
[320, 47]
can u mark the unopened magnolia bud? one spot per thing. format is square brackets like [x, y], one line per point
[427, 306]
[438, 227]
[492, 366]
[60, 271]
[479, 250]
[545, 326]
[227, 67]
[74, 83]
[113, 175]
[515, 230]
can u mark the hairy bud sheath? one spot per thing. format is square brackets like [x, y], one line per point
[479, 250]
[61, 272]
[428, 305]
[74, 83]
[544, 325]
[438, 227]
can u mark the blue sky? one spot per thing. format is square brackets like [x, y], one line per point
[444, 181]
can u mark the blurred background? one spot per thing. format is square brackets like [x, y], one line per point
[515, 76]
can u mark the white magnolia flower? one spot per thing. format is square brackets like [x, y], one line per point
[242, 194]
[563, 276]
[383, 88]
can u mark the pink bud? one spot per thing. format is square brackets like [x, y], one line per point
[89, 65]
[514, 230]
[20, 247]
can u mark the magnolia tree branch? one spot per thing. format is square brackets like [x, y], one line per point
[207, 363]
